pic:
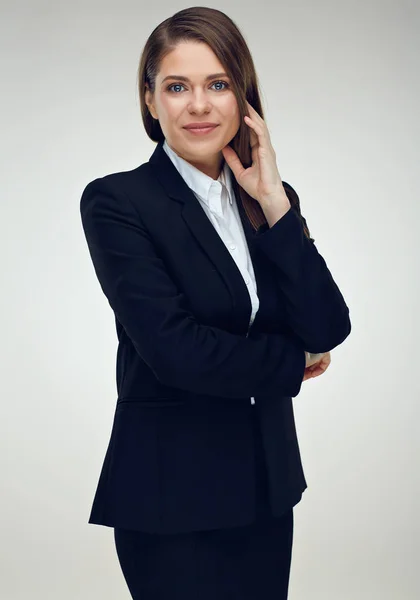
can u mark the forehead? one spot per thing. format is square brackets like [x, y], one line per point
[194, 60]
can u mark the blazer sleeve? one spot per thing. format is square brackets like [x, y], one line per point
[180, 351]
[316, 310]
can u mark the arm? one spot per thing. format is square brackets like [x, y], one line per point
[316, 309]
[180, 351]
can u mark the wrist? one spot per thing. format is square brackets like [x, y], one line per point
[275, 208]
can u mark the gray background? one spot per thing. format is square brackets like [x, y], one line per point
[341, 93]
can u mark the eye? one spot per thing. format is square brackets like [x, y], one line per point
[224, 83]
[169, 88]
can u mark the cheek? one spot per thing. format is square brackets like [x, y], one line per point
[232, 114]
[231, 108]
[167, 109]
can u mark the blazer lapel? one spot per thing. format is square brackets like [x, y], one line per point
[205, 234]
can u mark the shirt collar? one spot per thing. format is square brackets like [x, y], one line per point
[203, 185]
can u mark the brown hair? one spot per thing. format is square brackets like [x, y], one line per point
[219, 32]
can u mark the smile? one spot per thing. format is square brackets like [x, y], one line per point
[201, 130]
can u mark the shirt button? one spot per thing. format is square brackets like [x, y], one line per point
[247, 281]
[232, 247]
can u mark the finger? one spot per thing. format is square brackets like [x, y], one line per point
[254, 113]
[308, 374]
[322, 368]
[233, 161]
[253, 139]
[255, 116]
[257, 127]
[317, 372]
[259, 135]
[261, 132]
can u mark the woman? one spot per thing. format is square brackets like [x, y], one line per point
[219, 296]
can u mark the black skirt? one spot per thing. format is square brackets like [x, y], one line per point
[238, 563]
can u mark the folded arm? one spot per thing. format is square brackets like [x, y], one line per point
[179, 350]
[315, 307]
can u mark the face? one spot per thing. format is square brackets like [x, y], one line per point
[192, 98]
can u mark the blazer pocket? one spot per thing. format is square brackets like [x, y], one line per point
[150, 402]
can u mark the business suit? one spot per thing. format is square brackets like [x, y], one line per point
[181, 452]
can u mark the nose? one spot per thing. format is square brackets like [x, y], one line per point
[200, 102]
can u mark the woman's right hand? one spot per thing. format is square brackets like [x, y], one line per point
[311, 359]
[319, 368]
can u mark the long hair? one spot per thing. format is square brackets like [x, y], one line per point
[220, 33]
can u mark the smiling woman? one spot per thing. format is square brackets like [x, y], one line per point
[191, 249]
[204, 56]
[183, 115]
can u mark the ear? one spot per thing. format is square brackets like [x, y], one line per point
[148, 98]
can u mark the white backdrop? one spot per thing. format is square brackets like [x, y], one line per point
[341, 94]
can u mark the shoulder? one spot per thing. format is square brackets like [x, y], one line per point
[134, 194]
[121, 182]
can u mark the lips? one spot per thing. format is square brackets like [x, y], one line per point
[201, 126]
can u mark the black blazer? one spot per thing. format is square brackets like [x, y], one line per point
[181, 451]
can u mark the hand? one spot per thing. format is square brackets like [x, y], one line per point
[318, 368]
[261, 180]
[312, 358]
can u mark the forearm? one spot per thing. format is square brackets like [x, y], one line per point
[315, 307]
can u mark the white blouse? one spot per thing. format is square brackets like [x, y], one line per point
[219, 203]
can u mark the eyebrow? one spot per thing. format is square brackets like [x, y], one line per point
[182, 78]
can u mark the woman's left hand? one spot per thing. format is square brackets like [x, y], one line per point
[261, 180]
[318, 368]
